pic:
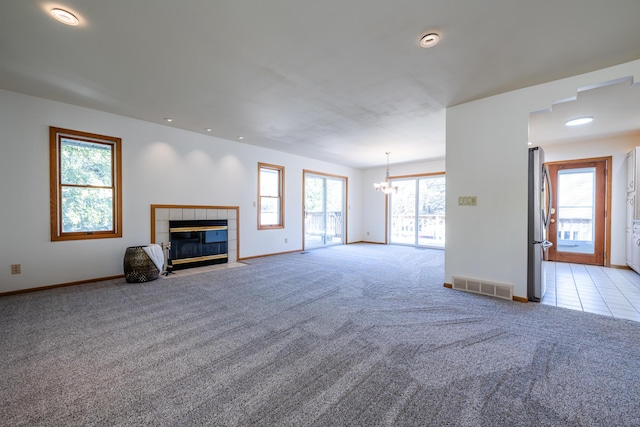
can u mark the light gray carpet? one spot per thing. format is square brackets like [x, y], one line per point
[357, 335]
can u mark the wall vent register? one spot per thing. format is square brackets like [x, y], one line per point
[484, 287]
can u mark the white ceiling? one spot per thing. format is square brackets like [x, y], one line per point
[614, 107]
[337, 80]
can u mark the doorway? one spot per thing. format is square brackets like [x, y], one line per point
[324, 209]
[579, 225]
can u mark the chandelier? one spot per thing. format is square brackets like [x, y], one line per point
[385, 186]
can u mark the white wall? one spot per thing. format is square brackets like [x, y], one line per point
[161, 165]
[487, 157]
[617, 147]
[373, 220]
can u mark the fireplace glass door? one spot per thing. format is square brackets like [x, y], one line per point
[324, 210]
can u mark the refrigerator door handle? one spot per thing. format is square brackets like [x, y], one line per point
[549, 192]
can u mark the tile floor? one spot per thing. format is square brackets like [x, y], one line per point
[204, 269]
[606, 291]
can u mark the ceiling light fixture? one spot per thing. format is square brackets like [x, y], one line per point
[65, 17]
[429, 40]
[208, 129]
[241, 137]
[385, 186]
[579, 121]
[168, 119]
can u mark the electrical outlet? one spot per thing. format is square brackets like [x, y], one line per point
[286, 240]
[15, 269]
[367, 233]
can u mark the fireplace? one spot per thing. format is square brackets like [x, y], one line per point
[196, 243]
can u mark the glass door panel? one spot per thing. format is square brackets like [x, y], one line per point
[324, 202]
[575, 212]
[417, 211]
[333, 211]
[313, 211]
[431, 211]
[403, 213]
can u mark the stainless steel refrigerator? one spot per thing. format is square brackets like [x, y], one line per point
[540, 198]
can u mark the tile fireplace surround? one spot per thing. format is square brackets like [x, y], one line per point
[162, 214]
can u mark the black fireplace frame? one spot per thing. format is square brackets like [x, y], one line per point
[196, 243]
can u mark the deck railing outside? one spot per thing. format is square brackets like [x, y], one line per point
[314, 224]
[430, 229]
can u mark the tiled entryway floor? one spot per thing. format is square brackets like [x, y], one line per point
[607, 291]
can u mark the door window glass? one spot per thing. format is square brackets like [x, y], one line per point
[576, 210]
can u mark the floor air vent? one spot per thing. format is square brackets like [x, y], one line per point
[492, 289]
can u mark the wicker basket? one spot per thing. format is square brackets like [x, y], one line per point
[138, 267]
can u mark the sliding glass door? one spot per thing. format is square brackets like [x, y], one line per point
[417, 211]
[324, 210]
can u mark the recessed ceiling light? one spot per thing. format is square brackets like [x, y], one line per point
[65, 17]
[208, 129]
[429, 40]
[241, 137]
[168, 119]
[579, 121]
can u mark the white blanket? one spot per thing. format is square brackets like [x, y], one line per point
[155, 253]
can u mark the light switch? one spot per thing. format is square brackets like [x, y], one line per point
[467, 200]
